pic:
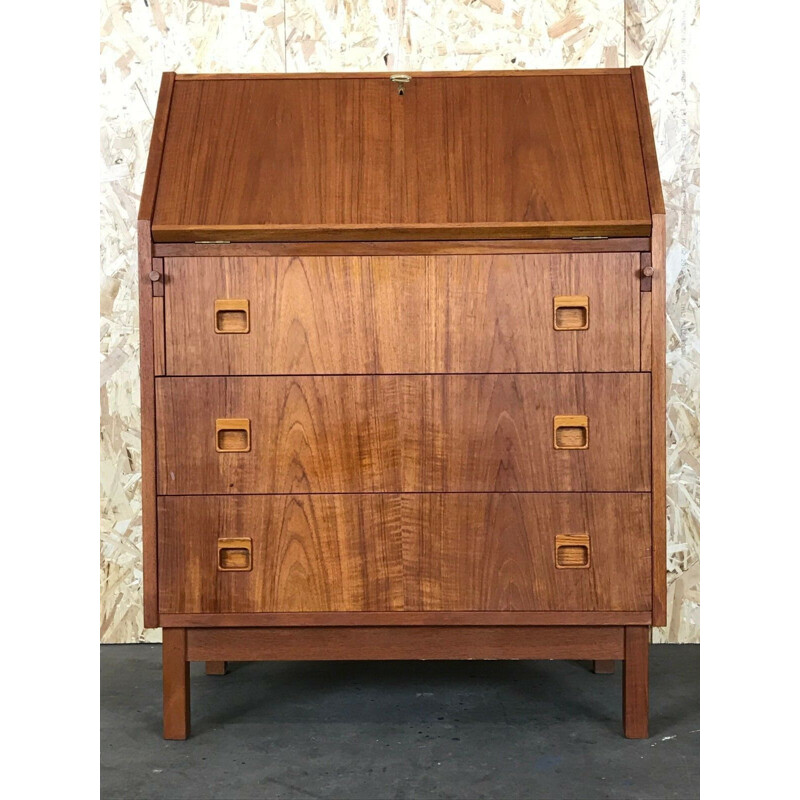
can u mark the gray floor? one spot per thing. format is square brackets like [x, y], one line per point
[526, 729]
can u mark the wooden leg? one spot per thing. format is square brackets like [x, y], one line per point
[604, 667]
[216, 667]
[176, 683]
[635, 699]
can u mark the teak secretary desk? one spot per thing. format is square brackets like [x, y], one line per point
[403, 372]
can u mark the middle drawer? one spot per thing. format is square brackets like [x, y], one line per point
[403, 433]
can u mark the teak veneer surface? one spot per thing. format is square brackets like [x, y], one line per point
[404, 552]
[434, 642]
[337, 619]
[148, 362]
[659, 421]
[403, 314]
[403, 433]
[403, 247]
[497, 156]
[389, 275]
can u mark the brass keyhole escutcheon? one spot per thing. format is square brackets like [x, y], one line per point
[400, 81]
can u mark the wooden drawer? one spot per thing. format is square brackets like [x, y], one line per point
[403, 433]
[395, 552]
[402, 314]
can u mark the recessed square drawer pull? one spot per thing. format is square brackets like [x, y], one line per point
[571, 312]
[232, 316]
[571, 432]
[233, 436]
[572, 551]
[234, 555]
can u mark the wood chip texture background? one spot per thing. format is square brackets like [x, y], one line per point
[142, 38]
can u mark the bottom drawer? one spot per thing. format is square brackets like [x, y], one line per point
[404, 552]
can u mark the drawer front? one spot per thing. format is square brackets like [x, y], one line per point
[402, 314]
[413, 552]
[407, 433]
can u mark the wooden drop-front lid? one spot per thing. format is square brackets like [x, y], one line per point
[506, 155]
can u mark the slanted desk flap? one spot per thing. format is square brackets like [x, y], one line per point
[508, 155]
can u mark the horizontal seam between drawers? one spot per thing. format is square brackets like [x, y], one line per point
[390, 374]
[324, 494]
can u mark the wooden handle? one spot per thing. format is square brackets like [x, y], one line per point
[234, 555]
[572, 551]
[233, 436]
[232, 316]
[571, 432]
[571, 312]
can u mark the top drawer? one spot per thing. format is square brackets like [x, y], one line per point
[351, 315]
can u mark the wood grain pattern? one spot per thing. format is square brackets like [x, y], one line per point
[220, 234]
[404, 433]
[635, 680]
[216, 667]
[654, 189]
[497, 552]
[148, 425]
[234, 554]
[412, 314]
[509, 149]
[407, 247]
[380, 644]
[449, 159]
[571, 312]
[232, 316]
[646, 331]
[571, 432]
[396, 351]
[157, 271]
[175, 675]
[292, 619]
[659, 420]
[159, 345]
[573, 551]
[156, 150]
[325, 553]
[232, 435]
[646, 281]
[473, 552]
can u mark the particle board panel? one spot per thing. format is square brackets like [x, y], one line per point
[453, 35]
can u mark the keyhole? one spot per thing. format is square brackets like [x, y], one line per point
[400, 81]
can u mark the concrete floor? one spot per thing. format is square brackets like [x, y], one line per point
[373, 730]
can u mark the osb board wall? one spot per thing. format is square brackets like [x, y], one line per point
[142, 38]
